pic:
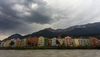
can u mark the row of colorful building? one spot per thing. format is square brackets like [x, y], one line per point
[42, 41]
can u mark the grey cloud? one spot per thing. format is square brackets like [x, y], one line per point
[38, 18]
[10, 18]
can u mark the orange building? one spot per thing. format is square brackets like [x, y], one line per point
[33, 41]
[68, 41]
[94, 41]
[49, 42]
[28, 40]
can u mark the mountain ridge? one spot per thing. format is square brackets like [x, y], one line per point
[90, 28]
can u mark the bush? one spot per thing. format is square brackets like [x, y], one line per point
[18, 47]
[69, 47]
[35, 48]
[25, 47]
[12, 43]
[9, 47]
[43, 47]
[61, 46]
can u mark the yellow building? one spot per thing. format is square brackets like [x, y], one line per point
[2, 43]
[8, 43]
[76, 42]
[60, 41]
[41, 41]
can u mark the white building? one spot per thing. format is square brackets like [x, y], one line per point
[53, 42]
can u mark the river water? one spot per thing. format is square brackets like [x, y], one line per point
[49, 53]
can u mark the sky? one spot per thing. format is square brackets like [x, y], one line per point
[28, 16]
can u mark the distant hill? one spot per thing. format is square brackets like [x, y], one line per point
[92, 29]
[14, 36]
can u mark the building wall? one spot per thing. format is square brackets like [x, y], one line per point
[73, 42]
[46, 42]
[63, 40]
[94, 41]
[76, 42]
[99, 42]
[86, 42]
[68, 41]
[60, 41]
[35, 41]
[28, 40]
[18, 42]
[23, 42]
[8, 42]
[81, 42]
[41, 41]
[49, 42]
[2, 43]
[54, 41]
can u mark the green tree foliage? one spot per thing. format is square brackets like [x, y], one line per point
[48, 44]
[57, 42]
[29, 43]
[32, 44]
[12, 43]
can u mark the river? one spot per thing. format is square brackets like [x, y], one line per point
[49, 53]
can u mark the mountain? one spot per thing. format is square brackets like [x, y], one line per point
[83, 29]
[91, 29]
[14, 36]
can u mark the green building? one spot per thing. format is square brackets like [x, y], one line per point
[63, 40]
[73, 42]
[46, 41]
[86, 42]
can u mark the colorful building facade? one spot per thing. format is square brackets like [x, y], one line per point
[40, 41]
[54, 41]
[86, 42]
[23, 42]
[8, 42]
[94, 41]
[68, 41]
[46, 42]
[76, 42]
[2, 44]
[81, 42]
[49, 42]
[60, 40]
[73, 42]
[18, 42]
[28, 41]
[35, 41]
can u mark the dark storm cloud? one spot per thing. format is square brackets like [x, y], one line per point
[10, 19]
[38, 18]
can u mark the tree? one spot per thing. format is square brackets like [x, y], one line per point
[33, 44]
[48, 44]
[57, 42]
[29, 43]
[63, 44]
[12, 43]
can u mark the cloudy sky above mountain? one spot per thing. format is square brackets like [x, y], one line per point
[28, 16]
